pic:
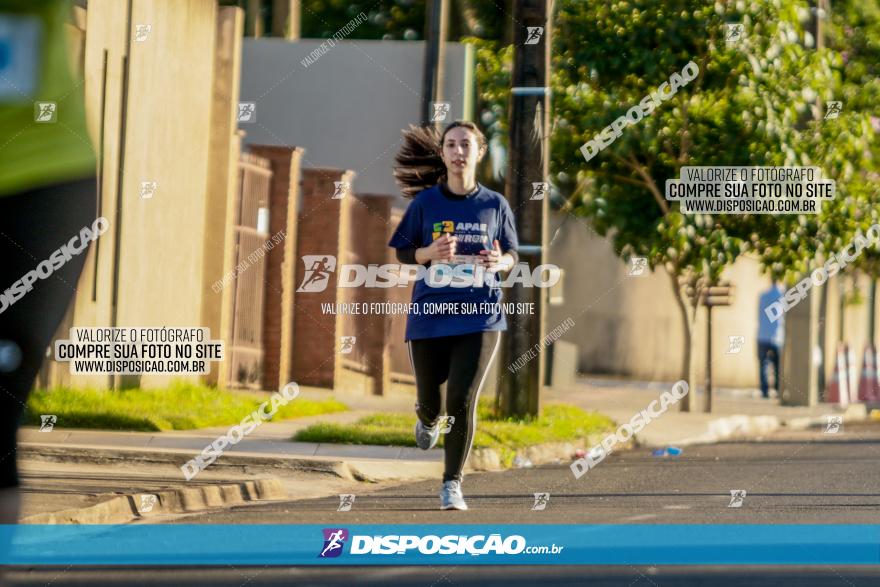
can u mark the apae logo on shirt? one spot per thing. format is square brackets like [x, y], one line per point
[467, 232]
[441, 227]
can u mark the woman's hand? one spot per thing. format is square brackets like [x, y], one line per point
[493, 260]
[442, 249]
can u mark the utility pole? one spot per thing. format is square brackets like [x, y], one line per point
[712, 296]
[872, 297]
[435, 60]
[528, 164]
[815, 27]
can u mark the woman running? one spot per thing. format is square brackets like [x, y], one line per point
[464, 234]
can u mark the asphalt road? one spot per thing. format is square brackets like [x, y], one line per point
[795, 477]
[799, 477]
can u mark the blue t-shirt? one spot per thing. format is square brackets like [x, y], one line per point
[770, 332]
[477, 220]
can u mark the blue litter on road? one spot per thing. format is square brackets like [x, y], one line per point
[671, 451]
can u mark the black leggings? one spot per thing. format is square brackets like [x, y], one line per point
[463, 362]
[32, 226]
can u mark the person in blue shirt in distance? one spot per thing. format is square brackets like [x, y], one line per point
[771, 337]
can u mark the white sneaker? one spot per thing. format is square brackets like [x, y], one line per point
[451, 497]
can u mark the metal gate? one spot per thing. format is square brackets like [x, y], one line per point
[251, 234]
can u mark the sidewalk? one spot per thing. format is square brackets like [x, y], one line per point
[736, 414]
[269, 438]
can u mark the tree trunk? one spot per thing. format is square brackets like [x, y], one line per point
[692, 363]
[688, 370]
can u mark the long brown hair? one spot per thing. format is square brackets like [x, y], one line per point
[419, 164]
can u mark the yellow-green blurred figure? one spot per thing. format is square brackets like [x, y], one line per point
[47, 195]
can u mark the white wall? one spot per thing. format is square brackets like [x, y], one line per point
[348, 107]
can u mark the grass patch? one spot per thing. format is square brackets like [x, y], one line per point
[556, 423]
[180, 406]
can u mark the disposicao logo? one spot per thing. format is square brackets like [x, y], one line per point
[334, 540]
[318, 270]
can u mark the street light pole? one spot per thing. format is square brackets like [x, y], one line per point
[435, 50]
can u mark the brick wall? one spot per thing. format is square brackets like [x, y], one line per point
[279, 279]
[397, 355]
[323, 229]
[369, 245]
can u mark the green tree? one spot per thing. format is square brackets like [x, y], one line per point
[386, 19]
[743, 109]
[752, 104]
[846, 149]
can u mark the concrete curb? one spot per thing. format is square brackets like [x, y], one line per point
[490, 459]
[852, 413]
[741, 427]
[376, 471]
[121, 509]
[239, 462]
[724, 428]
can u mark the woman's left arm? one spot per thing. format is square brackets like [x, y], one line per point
[503, 256]
[495, 259]
[514, 258]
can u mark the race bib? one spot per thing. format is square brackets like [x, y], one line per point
[469, 261]
[20, 48]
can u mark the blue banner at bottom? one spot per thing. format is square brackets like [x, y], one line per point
[392, 544]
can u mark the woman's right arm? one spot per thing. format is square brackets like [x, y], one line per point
[409, 234]
[442, 249]
[408, 256]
